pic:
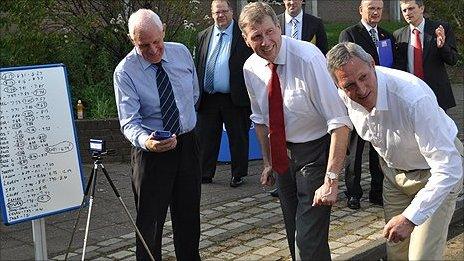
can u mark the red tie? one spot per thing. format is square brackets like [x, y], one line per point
[277, 139]
[418, 68]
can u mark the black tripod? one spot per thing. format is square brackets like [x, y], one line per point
[90, 189]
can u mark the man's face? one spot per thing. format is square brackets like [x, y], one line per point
[293, 7]
[359, 82]
[265, 38]
[150, 43]
[222, 14]
[412, 13]
[371, 11]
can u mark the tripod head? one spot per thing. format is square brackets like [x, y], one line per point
[98, 149]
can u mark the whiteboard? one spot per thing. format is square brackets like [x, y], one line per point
[41, 171]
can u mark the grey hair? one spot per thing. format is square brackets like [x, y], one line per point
[342, 53]
[418, 2]
[254, 13]
[142, 19]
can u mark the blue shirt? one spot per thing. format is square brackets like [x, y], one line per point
[137, 95]
[221, 70]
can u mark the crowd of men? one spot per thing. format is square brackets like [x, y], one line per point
[310, 112]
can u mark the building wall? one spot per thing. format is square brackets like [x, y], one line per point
[107, 130]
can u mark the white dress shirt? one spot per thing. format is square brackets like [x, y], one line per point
[310, 101]
[289, 25]
[412, 40]
[410, 131]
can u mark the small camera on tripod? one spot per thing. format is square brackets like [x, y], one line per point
[97, 147]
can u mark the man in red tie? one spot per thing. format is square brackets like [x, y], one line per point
[424, 47]
[302, 126]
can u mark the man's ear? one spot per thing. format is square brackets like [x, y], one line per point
[130, 38]
[245, 39]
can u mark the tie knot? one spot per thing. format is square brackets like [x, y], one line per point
[416, 31]
[273, 66]
[158, 65]
[294, 21]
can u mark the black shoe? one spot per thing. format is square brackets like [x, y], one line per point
[274, 193]
[353, 203]
[206, 180]
[236, 181]
[377, 200]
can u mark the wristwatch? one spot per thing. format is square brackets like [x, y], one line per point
[331, 175]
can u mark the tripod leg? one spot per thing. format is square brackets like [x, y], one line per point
[80, 210]
[115, 190]
[92, 195]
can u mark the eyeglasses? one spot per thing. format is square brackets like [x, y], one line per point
[221, 12]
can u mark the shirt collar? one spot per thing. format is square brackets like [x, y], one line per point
[282, 55]
[227, 31]
[298, 17]
[368, 27]
[420, 27]
[146, 64]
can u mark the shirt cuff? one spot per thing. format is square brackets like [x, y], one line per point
[141, 140]
[339, 122]
[257, 119]
[414, 216]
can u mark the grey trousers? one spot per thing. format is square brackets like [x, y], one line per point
[307, 227]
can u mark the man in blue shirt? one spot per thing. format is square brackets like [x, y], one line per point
[156, 88]
[224, 98]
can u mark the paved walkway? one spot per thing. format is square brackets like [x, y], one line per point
[242, 223]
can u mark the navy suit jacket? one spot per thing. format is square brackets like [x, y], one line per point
[311, 27]
[433, 58]
[359, 35]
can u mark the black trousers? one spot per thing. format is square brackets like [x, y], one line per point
[165, 179]
[217, 109]
[354, 167]
[307, 227]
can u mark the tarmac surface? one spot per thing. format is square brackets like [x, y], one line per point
[242, 223]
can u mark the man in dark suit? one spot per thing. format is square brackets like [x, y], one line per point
[436, 47]
[224, 99]
[302, 26]
[366, 34]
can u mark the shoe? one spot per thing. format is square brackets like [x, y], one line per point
[353, 203]
[236, 181]
[206, 180]
[377, 200]
[274, 193]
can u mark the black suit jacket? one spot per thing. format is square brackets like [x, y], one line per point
[359, 35]
[433, 58]
[239, 52]
[311, 27]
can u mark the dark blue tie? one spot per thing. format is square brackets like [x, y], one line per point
[210, 65]
[169, 111]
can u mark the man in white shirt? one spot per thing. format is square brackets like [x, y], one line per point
[420, 154]
[303, 133]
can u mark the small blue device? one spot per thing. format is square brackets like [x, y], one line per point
[161, 135]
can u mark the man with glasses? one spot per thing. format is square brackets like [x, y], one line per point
[221, 53]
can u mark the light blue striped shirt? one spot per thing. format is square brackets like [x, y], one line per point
[221, 81]
[137, 95]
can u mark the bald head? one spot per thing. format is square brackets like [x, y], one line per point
[143, 20]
